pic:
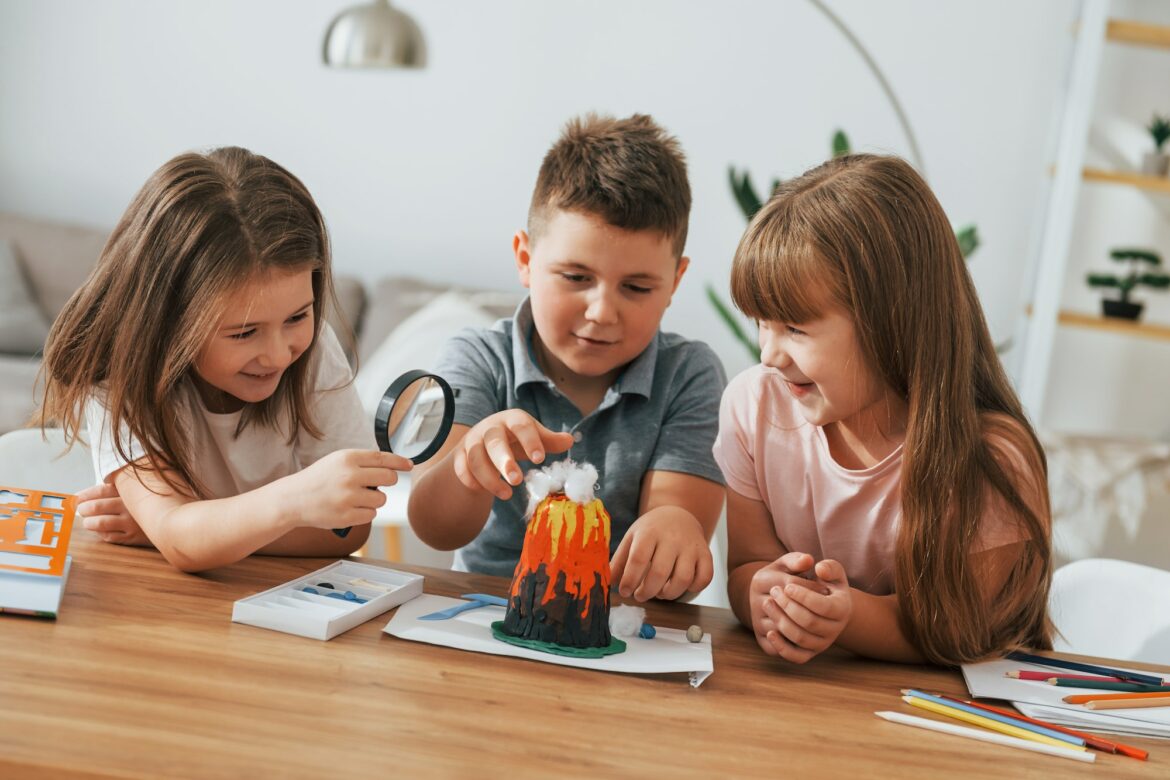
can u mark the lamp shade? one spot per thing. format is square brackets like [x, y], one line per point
[374, 36]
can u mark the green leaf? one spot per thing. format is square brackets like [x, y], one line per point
[732, 323]
[968, 238]
[1157, 281]
[1127, 253]
[744, 192]
[1102, 280]
[840, 143]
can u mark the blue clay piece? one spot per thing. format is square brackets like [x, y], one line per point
[646, 631]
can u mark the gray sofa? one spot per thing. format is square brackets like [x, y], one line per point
[53, 259]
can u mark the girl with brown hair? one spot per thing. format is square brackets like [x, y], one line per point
[216, 400]
[885, 491]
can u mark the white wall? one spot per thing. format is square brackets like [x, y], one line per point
[430, 172]
[1104, 384]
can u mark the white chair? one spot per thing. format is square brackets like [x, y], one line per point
[30, 459]
[1113, 609]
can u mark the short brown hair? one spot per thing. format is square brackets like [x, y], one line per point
[630, 172]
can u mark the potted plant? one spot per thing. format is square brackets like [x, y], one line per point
[1156, 163]
[1142, 265]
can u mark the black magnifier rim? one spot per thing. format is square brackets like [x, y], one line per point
[386, 405]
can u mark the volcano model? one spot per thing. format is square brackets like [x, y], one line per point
[559, 601]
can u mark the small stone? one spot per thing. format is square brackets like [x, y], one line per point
[694, 634]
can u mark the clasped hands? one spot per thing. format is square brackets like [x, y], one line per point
[799, 606]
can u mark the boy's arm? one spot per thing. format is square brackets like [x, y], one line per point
[666, 552]
[450, 503]
[700, 498]
[444, 513]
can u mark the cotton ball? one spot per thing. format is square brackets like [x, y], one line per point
[539, 485]
[579, 482]
[626, 620]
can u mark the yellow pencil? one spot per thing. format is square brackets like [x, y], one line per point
[987, 723]
[1125, 704]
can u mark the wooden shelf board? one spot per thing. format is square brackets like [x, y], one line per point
[1138, 33]
[1141, 181]
[1114, 325]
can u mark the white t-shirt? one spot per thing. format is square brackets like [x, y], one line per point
[229, 466]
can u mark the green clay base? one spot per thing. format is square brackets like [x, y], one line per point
[615, 645]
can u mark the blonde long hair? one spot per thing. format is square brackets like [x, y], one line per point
[866, 234]
[201, 225]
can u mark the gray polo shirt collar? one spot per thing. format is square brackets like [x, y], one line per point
[637, 379]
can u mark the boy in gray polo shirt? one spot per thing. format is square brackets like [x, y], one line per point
[583, 371]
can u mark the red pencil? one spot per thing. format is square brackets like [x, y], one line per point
[1024, 674]
[1090, 740]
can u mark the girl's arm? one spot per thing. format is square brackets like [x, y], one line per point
[752, 544]
[874, 630]
[289, 516]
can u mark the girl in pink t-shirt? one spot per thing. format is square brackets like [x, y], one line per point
[885, 492]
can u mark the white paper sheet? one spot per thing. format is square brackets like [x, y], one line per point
[669, 650]
[1038, 699]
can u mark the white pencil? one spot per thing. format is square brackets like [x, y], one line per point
[985, 736]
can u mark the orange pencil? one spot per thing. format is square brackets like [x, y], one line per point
[1097, 704]
[1082, 698]
[1092, 740]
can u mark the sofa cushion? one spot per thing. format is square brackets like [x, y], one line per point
[397, 297]
[346, 318]
[416, 342]
[23, 326]
[56, 256]
[18, 396]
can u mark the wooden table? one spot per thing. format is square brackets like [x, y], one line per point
[145, 675]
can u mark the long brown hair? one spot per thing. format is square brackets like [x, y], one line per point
[201, 225]
[866, 234]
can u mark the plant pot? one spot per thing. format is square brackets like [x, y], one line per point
[1124, 310]
[1155, 163]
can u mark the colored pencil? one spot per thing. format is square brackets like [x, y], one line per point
[1097, 704]
[1007, 720]
[1026, 674]
[987, 723]
[1113, 685]
[1081, 698]
[1092, 740]
[984, 736]
[1060, 663]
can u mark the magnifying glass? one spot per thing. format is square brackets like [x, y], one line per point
[413, 418]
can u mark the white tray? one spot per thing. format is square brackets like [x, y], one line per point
[291, 609]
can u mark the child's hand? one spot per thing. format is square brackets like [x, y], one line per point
[664, 555]
[101, 510]
[487, 456]
[789, 568]
[807, 620]
[340, 489]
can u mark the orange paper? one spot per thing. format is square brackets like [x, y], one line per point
[36, 523]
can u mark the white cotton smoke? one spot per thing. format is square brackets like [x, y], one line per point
[625, 620]
[575, 480]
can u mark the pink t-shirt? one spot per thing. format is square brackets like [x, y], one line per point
[770, 453]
